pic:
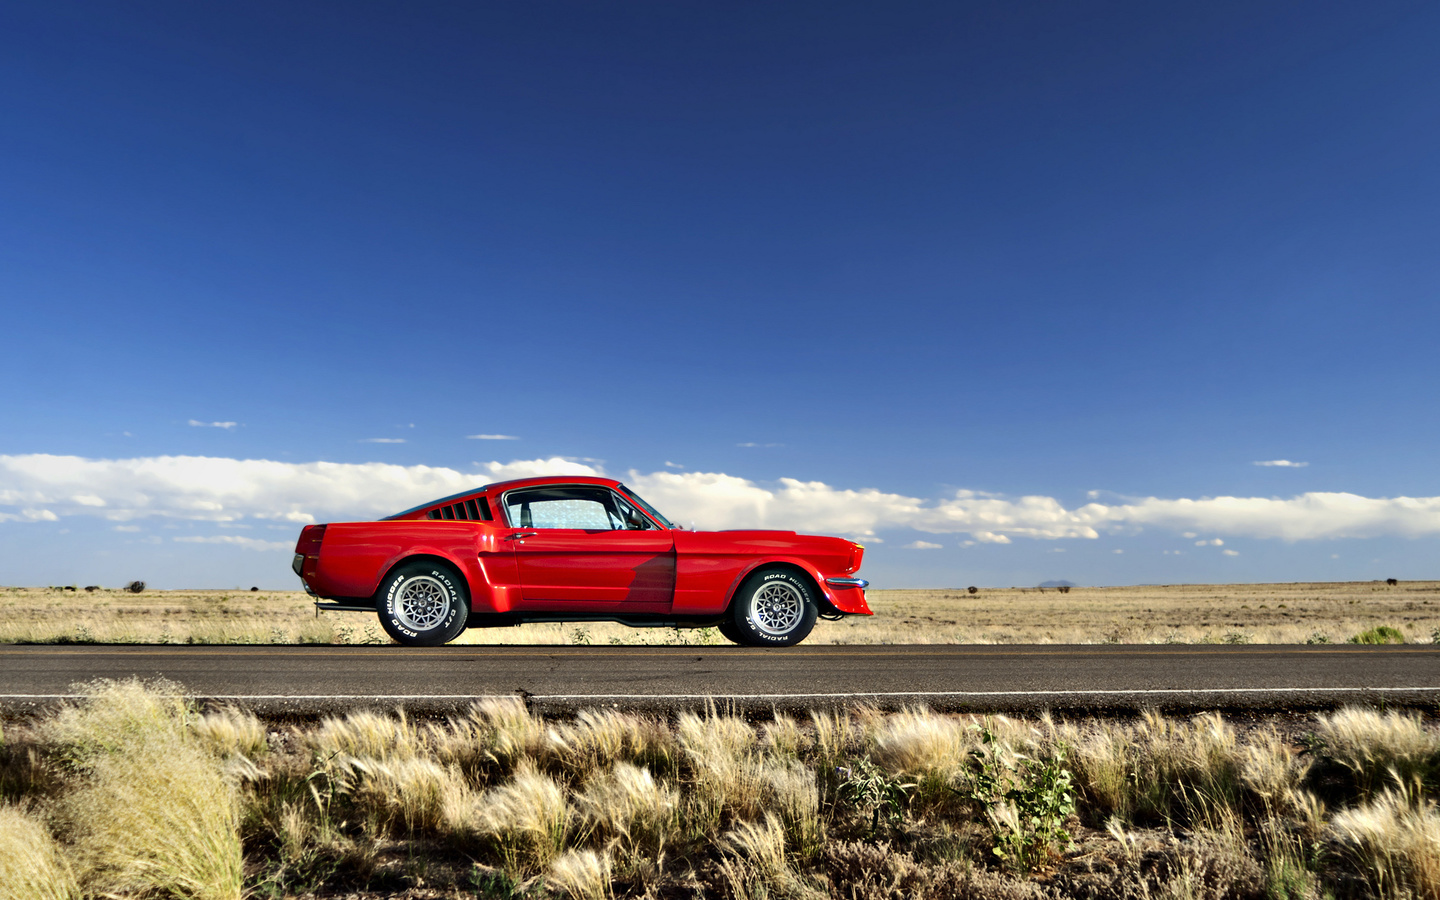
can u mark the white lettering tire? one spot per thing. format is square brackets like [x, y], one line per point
[422, 604]
[774, 608]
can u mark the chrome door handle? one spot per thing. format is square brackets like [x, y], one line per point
[519, 535]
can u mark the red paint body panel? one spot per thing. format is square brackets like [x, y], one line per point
[659, 571]
[607, 567]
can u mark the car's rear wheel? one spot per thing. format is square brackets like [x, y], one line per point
[423, 604]
[774, 608]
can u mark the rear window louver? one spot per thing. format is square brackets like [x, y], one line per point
[475, 509]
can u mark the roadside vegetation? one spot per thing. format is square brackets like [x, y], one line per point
[134, 792]
[1362, 612]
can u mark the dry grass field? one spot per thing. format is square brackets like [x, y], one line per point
[133, 792]
[1235, 613]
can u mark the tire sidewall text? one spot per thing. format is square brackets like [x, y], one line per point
[440, 633]
[745, 601]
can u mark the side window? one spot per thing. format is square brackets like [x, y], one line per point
[582, 508]
[627, 517]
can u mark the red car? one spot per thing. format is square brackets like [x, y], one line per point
[575, 549]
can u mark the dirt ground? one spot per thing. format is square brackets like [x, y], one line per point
[1234, 613]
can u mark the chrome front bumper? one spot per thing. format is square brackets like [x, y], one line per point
[839, 582]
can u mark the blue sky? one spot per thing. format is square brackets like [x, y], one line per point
[1034, 250]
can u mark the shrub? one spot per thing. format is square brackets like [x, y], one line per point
[873, 794]
[1380, 634]
[1026, 800]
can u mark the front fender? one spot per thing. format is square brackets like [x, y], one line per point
[842, 601]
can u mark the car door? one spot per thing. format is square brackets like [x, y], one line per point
[584, 548]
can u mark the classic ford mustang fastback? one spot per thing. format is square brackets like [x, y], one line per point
[575, 549]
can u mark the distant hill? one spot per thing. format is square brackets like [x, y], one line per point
[1058, 584]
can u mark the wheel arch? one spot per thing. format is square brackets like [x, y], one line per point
[432, 559]
[808, 573]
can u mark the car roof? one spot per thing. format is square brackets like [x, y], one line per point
[500, 486]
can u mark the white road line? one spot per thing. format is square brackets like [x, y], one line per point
[811, 696]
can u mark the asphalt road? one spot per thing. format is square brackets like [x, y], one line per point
[309, 680]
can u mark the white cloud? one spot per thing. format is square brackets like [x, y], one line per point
[990, 537]
[29, 514]
[1311, 516]
[1117, 551]
[1189, 534]
[671, 465]
[922, 545]
[1281, 463]
[382, 440]
[531, 468]
[247, 543]
[225, 425]
[756, 444]
[42, 487]
[1231, 552]
[1216, 542]
[489, 437]
[127, 527]
[217, 489]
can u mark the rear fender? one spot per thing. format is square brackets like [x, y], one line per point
[468, 569]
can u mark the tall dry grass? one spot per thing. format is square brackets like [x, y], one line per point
[405, 794]
[366, 734]
[152, 811]
[1368, 749]
[1249, 613]
[1395, 841]
[491, 739]
[625, 807]
[756, 866]
[582, 875]
[1160, 769]
[526, 820]
[32, 867]
[148, 797]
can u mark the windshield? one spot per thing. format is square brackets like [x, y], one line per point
[654, 513]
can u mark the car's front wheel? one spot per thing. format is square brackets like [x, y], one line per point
[423, 604]
[774, 608]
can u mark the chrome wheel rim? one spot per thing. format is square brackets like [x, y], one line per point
[776, 608]
[422, 603]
